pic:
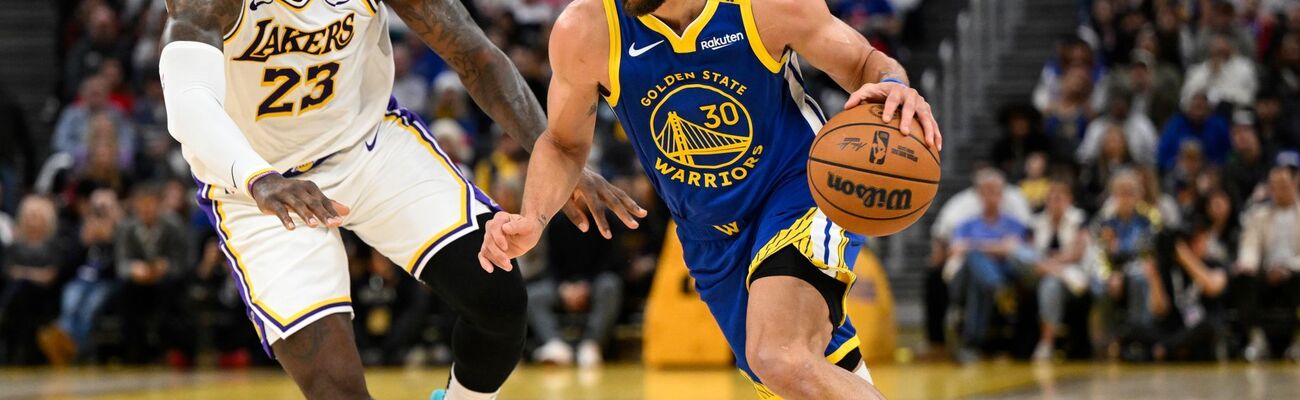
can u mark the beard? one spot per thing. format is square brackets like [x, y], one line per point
[641, 7]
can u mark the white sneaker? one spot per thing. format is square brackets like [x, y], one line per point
[1257, 349]
[1043, 352]
[554, 352]
[589, 354]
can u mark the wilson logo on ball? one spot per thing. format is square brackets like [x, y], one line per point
[872, 197]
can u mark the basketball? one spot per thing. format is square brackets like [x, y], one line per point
[869, 177]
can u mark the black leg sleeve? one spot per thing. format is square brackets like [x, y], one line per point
[488, 339]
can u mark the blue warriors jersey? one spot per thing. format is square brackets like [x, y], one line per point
[716, 122]
[724, 131]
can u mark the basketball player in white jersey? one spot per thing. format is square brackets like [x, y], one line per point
[284, 112]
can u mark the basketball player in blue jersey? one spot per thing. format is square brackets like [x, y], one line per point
[284, 111]
[710, 93]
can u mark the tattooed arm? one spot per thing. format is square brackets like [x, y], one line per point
[497, 87]
[489, 76]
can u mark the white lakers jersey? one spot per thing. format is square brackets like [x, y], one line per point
[307, 78]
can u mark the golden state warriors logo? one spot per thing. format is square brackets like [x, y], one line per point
[704, 134]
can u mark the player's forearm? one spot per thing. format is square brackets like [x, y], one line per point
[193, 78]
[491, 79]
[553, 172]
[498, 88]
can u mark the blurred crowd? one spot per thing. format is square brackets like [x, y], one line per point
[1141, 203]
[105, 258]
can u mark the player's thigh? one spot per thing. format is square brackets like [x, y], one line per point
[792, 305]
[287, 278]
[412, 199]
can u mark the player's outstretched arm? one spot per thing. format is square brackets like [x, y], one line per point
[836, 48]
[192, 70]
[561, 152]
[496, 86]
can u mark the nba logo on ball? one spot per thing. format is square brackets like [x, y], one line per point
[878, 193]
[879, 148]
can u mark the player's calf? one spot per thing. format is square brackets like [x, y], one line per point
[322, 359]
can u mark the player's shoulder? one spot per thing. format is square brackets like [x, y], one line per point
[786, 9]
[580, 32]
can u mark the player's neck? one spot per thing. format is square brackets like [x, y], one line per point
[677, 14]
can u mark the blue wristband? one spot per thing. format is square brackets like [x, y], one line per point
[894, 80]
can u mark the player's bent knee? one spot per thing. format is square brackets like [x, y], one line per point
[782, 369]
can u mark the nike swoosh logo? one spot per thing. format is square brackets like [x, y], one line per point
[370, 145]
[633, 51]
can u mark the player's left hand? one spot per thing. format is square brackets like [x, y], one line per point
[894, 95]
[595, 195]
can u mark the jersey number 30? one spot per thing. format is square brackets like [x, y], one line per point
[286, 80]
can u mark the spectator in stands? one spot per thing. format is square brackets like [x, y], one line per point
[1227, 78]
[1071, 53]
[28, 299]
[1125, 232]
[1035, 185]
[1187, 167]
[1187, 306]
[1112, 30]
[1021, 136]
[1113, 156]
[1154, 84]
[1222, 229]
[1219, 19]
[153, 261]
[583, 276]
[1281, 91]
[1268, 263]
[1066, 118]
[990, 252]
[1138, 132]
[103, 41]
[96, 267]
[72, 132]
[1248, 165]
[101, 164]
[159, 156]
[1197, 122]
[18, 157]
[1061, 238]
[1276, 129]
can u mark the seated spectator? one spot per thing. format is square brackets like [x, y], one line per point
[1021, 136]
[103, 41]
[1035, 185]
[92, 282]
[73, 130]
[1113, 156]
[1226, 78]
[990, 253]
[1138, 133]
[1222, 230]
[29, 297]
[1060, 237]
[1154, 86]
[1277, 130]
[1268, 266]
[1248, 165]
[583, 276]
[153, 264]
[1196, 122]
[1071, 53]
[1066, 119]
[1218, 20]
[1125, 230]
[1186, 298]
[1189, 164]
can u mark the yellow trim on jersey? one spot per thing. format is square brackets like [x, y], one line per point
[686, 42]
[248, 284]
[370, 6]
[799, 235]
[755, 42]
[615, 50]
[464, 202]
[304, 5]
[248, 182]
[239, 25]
[845, 348]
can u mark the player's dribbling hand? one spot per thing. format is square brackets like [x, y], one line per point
[894, 95]
[279, 196]
[507, 236]
[595, 194]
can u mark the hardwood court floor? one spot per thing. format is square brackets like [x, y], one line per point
[993, 380]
